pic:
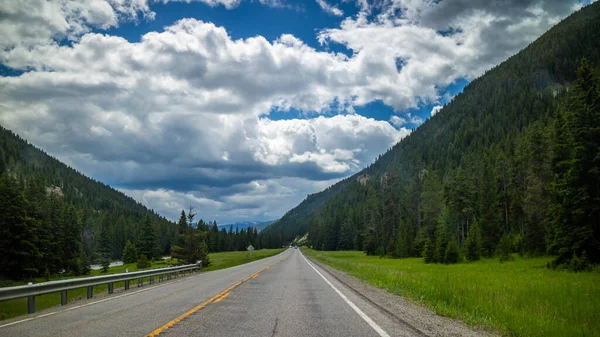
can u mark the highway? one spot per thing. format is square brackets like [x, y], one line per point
[284, 295]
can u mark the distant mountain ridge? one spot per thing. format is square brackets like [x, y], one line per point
[259, 225]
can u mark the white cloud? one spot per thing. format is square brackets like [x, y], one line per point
[29, 23]
[330, 9]
[435, 110]
[258, 199]
[397, 121]
[183, 115]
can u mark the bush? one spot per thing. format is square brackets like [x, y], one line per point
[452, 254]
[579, 264]
[504, 249]
[143, 262]
[129, 253]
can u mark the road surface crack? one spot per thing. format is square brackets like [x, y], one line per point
[275, 327]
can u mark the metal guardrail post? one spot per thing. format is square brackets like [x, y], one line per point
[126, 284]
[111, 287]
[31, 304]
[140, 282]
[151, 279]
[63, 297]
[90, 292]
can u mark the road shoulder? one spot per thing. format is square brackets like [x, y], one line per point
[416, 316]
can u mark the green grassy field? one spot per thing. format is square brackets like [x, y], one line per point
[517, 298]
[18, 307]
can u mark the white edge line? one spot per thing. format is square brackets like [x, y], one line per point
[364, 316]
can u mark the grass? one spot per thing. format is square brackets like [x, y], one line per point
[516, 298]
[230, 259]
[13, 308]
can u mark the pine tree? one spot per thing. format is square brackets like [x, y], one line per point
[147, 243]
[428, 251]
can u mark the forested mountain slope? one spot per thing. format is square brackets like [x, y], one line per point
[63, 219]
[487, 164]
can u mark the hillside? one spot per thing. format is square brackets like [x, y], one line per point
[487, 158]
[63, 210]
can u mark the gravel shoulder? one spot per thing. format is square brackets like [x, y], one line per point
[420, 318]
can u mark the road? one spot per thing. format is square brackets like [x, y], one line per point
[284, 295]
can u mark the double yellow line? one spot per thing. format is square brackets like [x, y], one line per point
[215, 299]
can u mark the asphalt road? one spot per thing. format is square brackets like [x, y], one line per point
[284, 295]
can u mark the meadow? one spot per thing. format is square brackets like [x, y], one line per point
[221, 260]
[515, 298]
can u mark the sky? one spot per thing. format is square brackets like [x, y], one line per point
[241, 108]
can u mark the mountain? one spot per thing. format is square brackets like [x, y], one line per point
[487, 160]
[56, 218]
[259, 225]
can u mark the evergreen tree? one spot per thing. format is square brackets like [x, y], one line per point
[147, 242]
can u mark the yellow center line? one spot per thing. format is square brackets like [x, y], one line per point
[218, 297]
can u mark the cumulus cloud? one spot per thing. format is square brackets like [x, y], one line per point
[420, 46]
[183, 115]
[435, 110]
[29, 23]
[329, 9]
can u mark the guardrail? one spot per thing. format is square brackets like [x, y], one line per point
[33, 290]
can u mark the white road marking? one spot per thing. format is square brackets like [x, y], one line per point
[364, 316]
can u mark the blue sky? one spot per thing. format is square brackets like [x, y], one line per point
[241, 108]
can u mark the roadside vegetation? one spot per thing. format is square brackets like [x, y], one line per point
[9, 309]
[520, 297]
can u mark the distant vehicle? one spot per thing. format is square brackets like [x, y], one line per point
[295, 247]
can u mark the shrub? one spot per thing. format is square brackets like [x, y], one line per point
[129, 253]
[579, 264]
[452, 254]
[504, 249]
[143, 262]
[105, 264]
